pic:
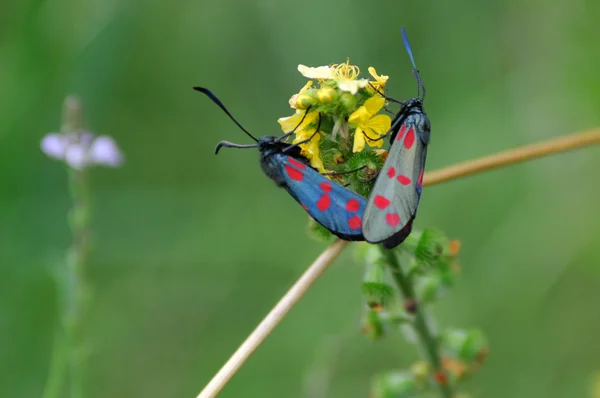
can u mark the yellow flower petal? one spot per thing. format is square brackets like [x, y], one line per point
[374, 104]
[373, 138]
[311, 150]
[359, 140]
[302, 135]
[289, 123]
[317, 163]
[321, 72]
[380, 79]
[380, 124]
[352, 86]
[313, 153]
[359, 116]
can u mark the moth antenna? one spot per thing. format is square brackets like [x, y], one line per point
[415, 71]
[386, 97]
[228, 144]
[283, 137]
[217, 101]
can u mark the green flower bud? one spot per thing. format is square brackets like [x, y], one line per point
[429, 287]
[421, 371]
[338, 158]
[398, 384]
[372, 325]
[348, 101]
[430, 247]
[466, 346]
[326, 95]
[306, 99]
[375, 288]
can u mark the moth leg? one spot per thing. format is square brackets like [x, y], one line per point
[370, 179]
[337, 173]
[376, 139]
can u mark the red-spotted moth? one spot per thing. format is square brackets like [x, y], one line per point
[393, 202]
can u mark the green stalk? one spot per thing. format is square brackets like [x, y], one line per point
[67, 366]
[426, 337]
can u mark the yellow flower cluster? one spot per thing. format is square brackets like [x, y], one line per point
[340, 95]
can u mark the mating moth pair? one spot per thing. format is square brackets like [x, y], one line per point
[387, 215]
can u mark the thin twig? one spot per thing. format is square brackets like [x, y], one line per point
[513, 156]
[317, 268]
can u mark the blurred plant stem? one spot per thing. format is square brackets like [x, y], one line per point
[427, 340]
[67, 364]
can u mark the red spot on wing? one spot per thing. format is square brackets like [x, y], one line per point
[324, 203]
[401, 133]
[381, 202]
[391, 172]
[404, 180]
[354, 222]
[410, 138]
[326, 186]
[392, 219]
[352, 205]
[297, 163]
[293, 173]
[421, 179]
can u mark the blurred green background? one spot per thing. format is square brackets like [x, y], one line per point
[191, 250]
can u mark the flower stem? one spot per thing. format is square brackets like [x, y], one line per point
[66, 366]
[426, 337]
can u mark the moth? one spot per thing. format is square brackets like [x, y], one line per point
[394, 199]
[330, 204]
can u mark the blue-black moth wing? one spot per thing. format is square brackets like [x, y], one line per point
[331, 205]
[394, 199]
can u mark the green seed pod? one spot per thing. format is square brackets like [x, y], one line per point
[306, 99]
[348, 101]
[372, 325]
[326, 95]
